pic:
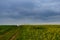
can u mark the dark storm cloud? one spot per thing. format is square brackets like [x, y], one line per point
[29, 11]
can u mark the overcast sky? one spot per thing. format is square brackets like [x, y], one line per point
[29, 11]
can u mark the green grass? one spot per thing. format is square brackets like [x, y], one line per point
[30, 32]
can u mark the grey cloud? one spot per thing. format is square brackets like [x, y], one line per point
[29, 10]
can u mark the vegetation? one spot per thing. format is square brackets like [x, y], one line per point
[30, 32]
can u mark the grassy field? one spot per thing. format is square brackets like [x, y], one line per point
[30, 32]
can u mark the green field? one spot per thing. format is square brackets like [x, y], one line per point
[30, 32]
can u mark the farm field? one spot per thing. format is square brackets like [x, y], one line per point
[30, 32]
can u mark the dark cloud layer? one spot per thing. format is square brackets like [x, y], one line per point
[29, 11]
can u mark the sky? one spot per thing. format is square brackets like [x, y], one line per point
[29, 12]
